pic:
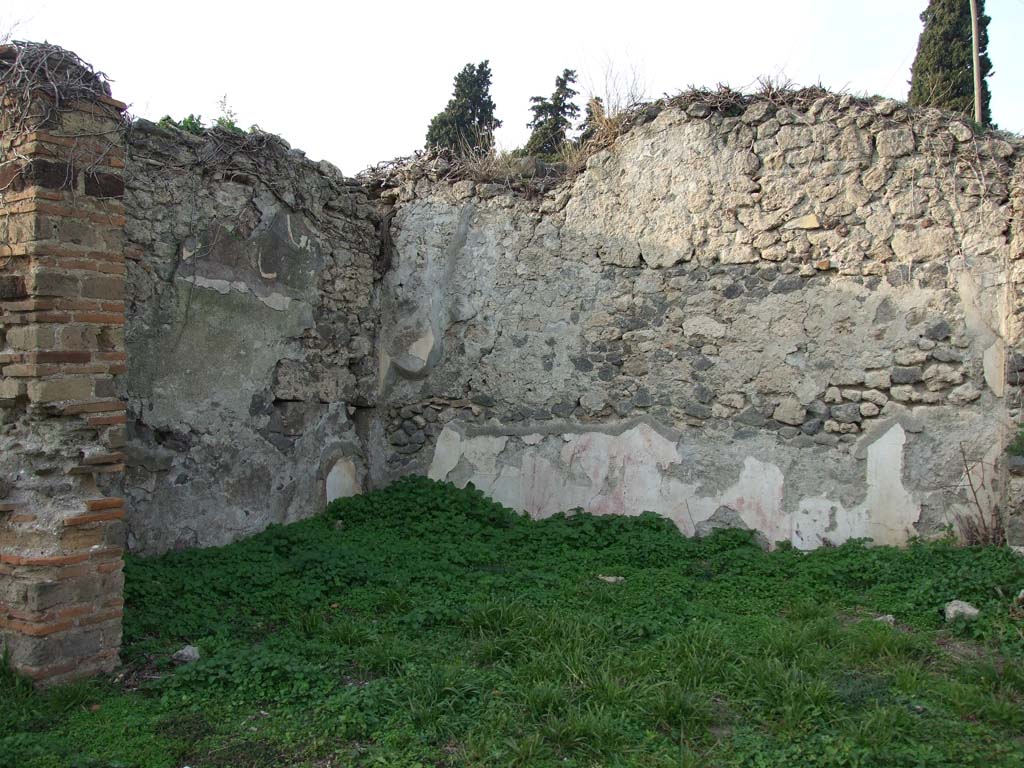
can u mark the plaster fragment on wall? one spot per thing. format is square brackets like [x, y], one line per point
[817, 520]
[995, 367]
[886, 516]
[303, 242]
[482, 453]
[276, 301]
[222, 287]
[343, 480]
[421, 348]
[889, 510]
[757, 496]
[447, 453]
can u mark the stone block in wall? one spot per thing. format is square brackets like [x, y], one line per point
[61, 351]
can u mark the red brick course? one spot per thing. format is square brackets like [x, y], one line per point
[62, 309]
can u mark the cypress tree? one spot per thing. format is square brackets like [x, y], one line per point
[468, 121]
[942, 74]
[552, 117]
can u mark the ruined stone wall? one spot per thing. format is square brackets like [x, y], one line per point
[801, 320]
[791, 320]
[252, 317]
[797, 320]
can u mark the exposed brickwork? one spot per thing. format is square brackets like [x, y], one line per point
[61, 353]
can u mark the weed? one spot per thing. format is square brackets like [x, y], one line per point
[192, 124]
[439, 628]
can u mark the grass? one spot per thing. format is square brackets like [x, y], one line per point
[427, 626]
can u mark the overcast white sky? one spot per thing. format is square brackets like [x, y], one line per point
[358, 82]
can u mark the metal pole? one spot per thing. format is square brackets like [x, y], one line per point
[977, 62]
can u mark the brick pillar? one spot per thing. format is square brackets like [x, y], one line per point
[61, 353]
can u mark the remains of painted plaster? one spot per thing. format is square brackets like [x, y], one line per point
[640, 469]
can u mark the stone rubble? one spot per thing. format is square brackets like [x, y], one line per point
[958, 609]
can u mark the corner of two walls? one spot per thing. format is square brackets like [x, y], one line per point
[797, 321]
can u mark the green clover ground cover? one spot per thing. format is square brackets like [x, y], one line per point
[424, 625]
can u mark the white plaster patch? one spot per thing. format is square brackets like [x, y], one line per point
[222, 287]
[813, 520]
[303, 242]
[995, 367]
[757, 496]
[421, 348]
[259, 260]
[482, 453]
[538, 487]
[887, 514]
[889, 510]
[276, 301]
[447, 452]
[342, 481]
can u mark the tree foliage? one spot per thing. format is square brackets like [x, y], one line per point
[468, 122]
[593, 118]
[552, 117]
[943, 74]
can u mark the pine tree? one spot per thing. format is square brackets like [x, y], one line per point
[468, 122]
[942, 74]
[552, 117]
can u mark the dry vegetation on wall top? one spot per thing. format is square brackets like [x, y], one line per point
[40, 80]
[31, 70]
[39, 83]
[531, 175]
[41, 86]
